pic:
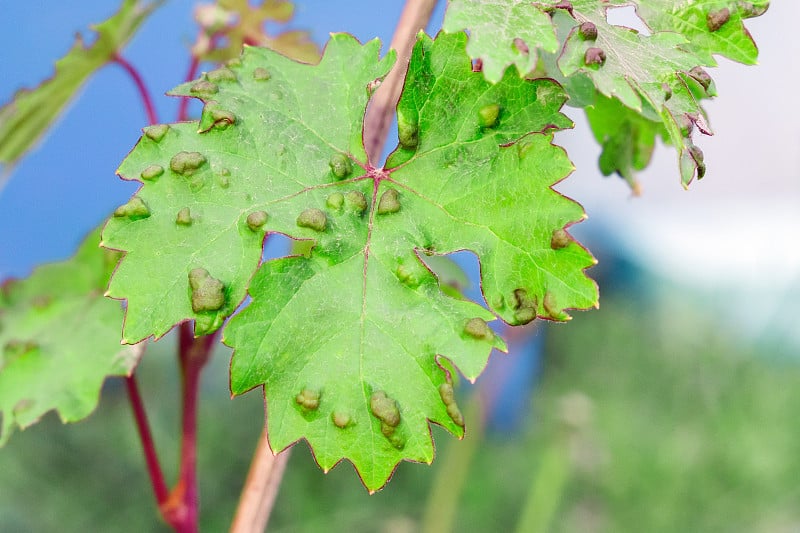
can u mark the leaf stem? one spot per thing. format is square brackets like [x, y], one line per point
[147, 100]
[191, 73]
[260, 489]
[414, 18]
[148, 445]
[182, 507]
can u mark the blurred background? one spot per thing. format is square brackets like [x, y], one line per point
[672, 408]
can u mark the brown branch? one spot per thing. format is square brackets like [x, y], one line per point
[260, 489]
[414, 18]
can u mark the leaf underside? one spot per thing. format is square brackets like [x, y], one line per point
[59, 339]
[28, 116]
[652, 75]
[354, 342]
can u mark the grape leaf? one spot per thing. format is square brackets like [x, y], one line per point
[59, 339]
[658, 73]
[352, 338]
[26, 118]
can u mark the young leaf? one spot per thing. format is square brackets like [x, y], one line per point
[59, 339]
[654, 74]
[26, 118]
[353, 338]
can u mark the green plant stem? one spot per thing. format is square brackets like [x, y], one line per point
[147, 100]
[148, 445]
[546, 489]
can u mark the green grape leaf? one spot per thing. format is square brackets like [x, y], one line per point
[240, 23]
[657, 76]
[501, 33]
[352, 337]
[28, 116]
[59, 339]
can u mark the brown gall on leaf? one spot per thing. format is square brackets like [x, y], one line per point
[524, 307]
[341, 419]
[135, 209]
[448, 396]
[716, 19]
[702, 77]
[559, 239]
[256, 220]
[341, 167]
[184, 217]
[204, 88]
[551, 307]
[186, 163]
[208, 293]
[261, 74]
[748, 10]
[488, 115]
[594, 57]
[588, 31]
[335, 201]
[152, 172]
[697, 155]
[308, 399]
[156, 132]
[221, 74]
[356, 201]
[384, 408]
[313, 218]
[389, 202]
[220, 118]
[477, 328]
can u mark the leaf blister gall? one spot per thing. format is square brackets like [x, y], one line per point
[135, 209]
[385, 409]
[308, 399]
[448, 396]
[184, 217]
[588, 31]
[156, 132]
[335, 200]
[261, 74]
[552, 308]
[389, 202]
[560, 239]
[357, 201]
[341, 419]
[594, 57]
[407, 132]
[187, 163]
[207, 292]
[256, 220]
[488, 115]
[477, 328]
[204, 88]
[341, 167]
[525, 307]
[221, 74]
[313, 218]
[152, 172]
[716, 19]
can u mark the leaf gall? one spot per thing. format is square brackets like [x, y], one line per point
[313, 218]
[184, 217]
[135, 209]
[156, 132]
[384, 409]
[357, 201]
[716, 19]
[594, 57]
[389, 202]
[204, 88]
[152, 172]
[261, 74]
[588, 31]
[477, 328]
[340, 166]
[207, 292]
[488, 115]
[308, 399]
[560, 239]
[186, 163]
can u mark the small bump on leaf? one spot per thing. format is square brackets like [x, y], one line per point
[448, 396]
[407, 276]
[135, 209]
[335, 200]
[341, 419]
[488, 115]
[313, 218]
[340, 166]
[308, 399]
[407, 132]
[702, 77]
[356, 201]
[204, 87]
[384, 409]
[716, 19]
[551, 307]
[559, 239]
[389, 202]
[594, 57]
[261, 74]
[186, 163]
[184, 217]
[152, 172]
[256, 219]
[156, 132]
[207, 292]
[524, 307]
[588, 31]
[477, 328]
[221, 74]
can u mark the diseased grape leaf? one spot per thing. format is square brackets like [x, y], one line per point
[352, 338]
[657, 76]
[28, 116]
[59, 339]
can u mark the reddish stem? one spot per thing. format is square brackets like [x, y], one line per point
[183, 107]
[181, 508]
[147, 101]
[148, 445]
